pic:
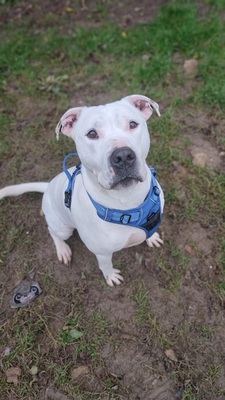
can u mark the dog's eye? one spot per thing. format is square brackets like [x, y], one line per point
[92, 134]
[133, 124]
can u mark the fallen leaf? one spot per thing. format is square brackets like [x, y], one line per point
[79, 371]
[13, 374]
[69, 9]
[75, 334]
[171, 355]
[189, 249]
[34, 370]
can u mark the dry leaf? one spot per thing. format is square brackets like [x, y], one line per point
[171, 355]
[189, 249]
[79, 371]
[12, 375]
[69, 9]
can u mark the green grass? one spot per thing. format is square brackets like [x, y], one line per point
[118, 54]
[146, 318]
[28, 326]
[5, 148]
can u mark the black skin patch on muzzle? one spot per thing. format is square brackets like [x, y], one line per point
[125, 182]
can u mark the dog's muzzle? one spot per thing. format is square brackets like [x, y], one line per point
[124, 163]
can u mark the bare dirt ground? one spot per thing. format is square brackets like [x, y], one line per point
[147, 314]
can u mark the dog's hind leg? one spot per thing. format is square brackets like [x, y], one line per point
[111, 275]
[64, 252]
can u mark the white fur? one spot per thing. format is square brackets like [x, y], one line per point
[111, 122]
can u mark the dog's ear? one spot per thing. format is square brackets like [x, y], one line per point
[144, 104]
[67, 121]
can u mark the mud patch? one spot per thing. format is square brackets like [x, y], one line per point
[204, 154]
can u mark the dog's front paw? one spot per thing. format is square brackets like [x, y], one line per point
[154, 240]
[64, 253]
[114, 278]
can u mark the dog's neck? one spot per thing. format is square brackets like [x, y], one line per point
[122, 199]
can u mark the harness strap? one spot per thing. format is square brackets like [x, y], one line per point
[71, 179]
[146, 217]
[132, 216]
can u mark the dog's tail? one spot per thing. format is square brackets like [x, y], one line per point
[16, 190]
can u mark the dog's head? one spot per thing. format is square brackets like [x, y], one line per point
[112, 140]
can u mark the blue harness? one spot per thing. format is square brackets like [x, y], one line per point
[146, 217]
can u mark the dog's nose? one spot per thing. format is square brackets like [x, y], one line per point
[123, 157]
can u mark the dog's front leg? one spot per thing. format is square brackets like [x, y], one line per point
[64, 252]
[112, 276]
[154, 241]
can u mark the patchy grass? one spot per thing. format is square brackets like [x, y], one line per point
[173, 297]
[137, 57]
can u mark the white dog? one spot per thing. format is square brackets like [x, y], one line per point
[112, 198]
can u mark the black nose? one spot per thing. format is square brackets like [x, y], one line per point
[123, 157]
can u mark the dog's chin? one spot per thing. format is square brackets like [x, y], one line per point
[126, 182]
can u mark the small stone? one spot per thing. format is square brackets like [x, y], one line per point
[200, 159]
[171, 355]
[191, 68]
[138, 258]
[145, 57]
[7, 351]
[12, 375]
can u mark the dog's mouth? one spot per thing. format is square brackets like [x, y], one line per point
[125, 182]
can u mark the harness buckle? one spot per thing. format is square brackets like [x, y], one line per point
[67, 198]
[156, 190]
[125, 219]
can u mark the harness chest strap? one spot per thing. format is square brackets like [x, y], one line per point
[146, 217]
